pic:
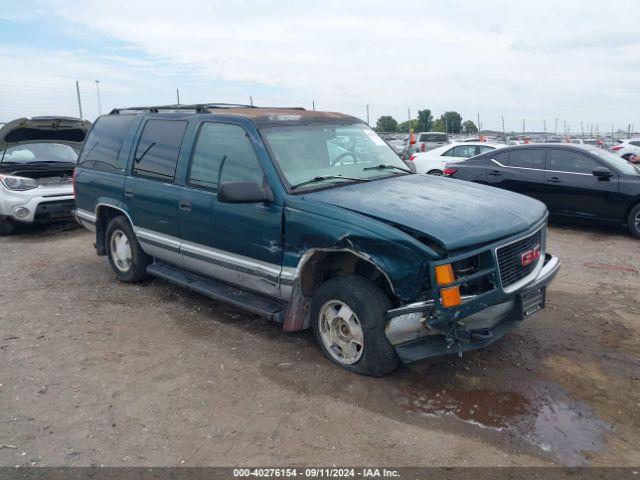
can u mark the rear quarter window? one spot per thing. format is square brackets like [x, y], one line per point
[102, 148]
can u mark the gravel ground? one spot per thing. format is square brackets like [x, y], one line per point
[97, 372]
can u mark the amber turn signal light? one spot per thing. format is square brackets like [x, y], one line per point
[450, 297]
[444, 274]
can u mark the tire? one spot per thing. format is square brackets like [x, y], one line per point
[633, 221]
[368, 303]
[7, 226]
[120, 240]
[436, 172]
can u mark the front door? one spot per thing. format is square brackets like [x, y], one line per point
[572, 189]
[237, 243]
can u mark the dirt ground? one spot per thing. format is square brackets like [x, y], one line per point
[97, 372]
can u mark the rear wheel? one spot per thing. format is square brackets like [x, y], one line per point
[348, 320]
[436, 172]
[633, 221]
[125, 255]
[7, 226]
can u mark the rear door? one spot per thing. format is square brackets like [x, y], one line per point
[518, 170]
[572, 189]
[150, 194]
[239, 243]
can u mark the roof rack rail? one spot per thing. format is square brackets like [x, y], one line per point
[197, 107]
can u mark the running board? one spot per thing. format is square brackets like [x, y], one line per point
[271, 308]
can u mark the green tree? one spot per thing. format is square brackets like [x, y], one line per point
[425, 120]
[469, 127]
[387, 123]
[404, 126]
[438, 125]
[452, 121]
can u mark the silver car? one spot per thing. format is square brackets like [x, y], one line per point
[37, 159]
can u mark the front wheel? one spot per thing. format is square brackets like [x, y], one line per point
[125, 255]
[437, 173]
[633, 221]
[348, 320]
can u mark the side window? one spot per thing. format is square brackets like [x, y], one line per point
[223, 153]
[157, 152]
[527, 158]
[465, 151]
[568, 161]
[102, 148]
[484, 148]
[501, 157]
[449, 153]
[635, 143]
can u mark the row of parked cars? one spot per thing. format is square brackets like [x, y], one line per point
[578, 181]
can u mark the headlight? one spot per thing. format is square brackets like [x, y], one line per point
[18, 183]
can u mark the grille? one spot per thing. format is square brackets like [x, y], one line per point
[509, 259]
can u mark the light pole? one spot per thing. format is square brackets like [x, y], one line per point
[99, 100]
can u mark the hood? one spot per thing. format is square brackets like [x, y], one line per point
[67, 130]
[452, 213]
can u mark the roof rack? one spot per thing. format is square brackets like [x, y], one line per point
[197, 107]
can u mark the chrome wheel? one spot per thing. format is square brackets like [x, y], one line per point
[120, 250]
[341, 332]
[636, 221]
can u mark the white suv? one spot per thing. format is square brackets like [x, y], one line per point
[37, 159]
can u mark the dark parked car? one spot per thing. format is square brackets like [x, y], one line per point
[574, 181]
[309, 218]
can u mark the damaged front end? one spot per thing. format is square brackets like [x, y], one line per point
[477, 296]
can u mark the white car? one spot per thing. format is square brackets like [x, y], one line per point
[627, 148]
[433, 161]
[37, 159]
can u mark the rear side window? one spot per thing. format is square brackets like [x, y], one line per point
[573, 162]
[484, 148]
[527, 158]
[158, 149]
[433, 137]
[223, 153]
[102, 148]
[635, 143]
[466, 151]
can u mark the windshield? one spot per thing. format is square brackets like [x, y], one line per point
[619, 163]
[39, 152]
[306, 152]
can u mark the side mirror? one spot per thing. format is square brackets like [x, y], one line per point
[243, 192]
[601, 173]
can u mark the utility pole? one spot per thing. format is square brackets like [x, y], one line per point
[251, 101]
[523, 126]
[178, 95]
[503, 132]
[99, 100]
[555, 130]
[479, 126]
[545, 126]
[79, 101]
[313, 103]
[368, 114]
[582, 129]
[565, 127]
[409, 117]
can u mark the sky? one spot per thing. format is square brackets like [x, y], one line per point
[575, 61]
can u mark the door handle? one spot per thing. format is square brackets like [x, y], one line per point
[554, 180]
[128, 192]
[185, 205]
[495, 173]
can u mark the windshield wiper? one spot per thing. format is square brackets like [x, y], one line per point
[320, 178]
[384, 166]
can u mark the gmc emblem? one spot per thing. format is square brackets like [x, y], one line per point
[530, 256]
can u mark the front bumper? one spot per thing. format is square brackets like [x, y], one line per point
[409, 332]
[37, 205]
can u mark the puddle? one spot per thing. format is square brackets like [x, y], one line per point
[568, 430]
